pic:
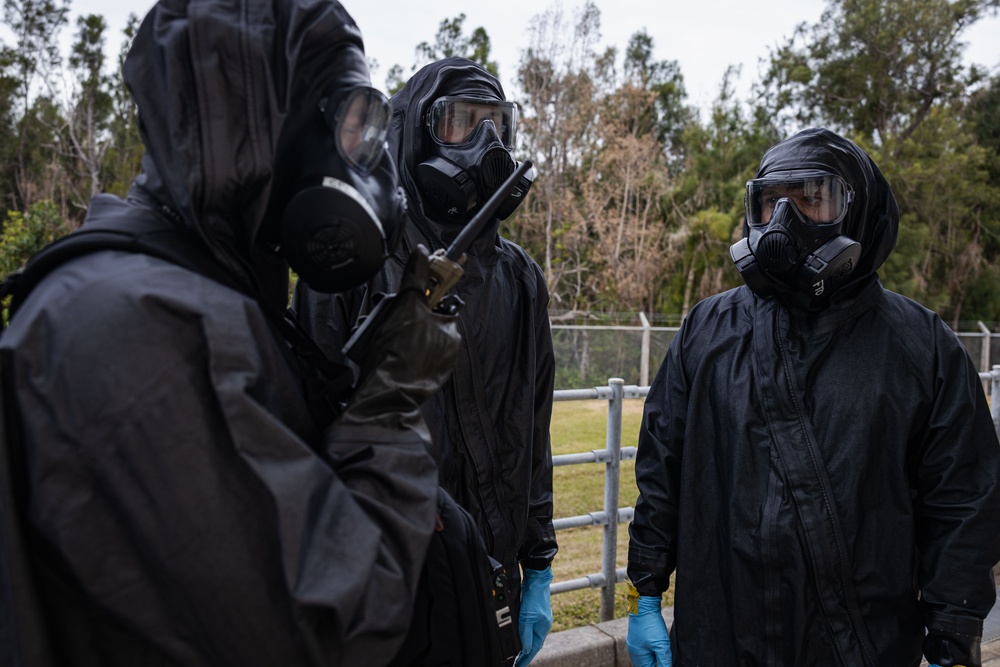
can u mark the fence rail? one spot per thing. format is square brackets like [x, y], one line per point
[611, 457]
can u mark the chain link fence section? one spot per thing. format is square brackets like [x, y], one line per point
[586, 355]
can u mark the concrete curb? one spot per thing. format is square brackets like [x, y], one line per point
[603, 645]
[595, 645]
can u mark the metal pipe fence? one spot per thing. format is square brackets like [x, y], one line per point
[611, 457]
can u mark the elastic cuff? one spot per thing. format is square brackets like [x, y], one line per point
[536, 564]
[540, 576]
[648, 605]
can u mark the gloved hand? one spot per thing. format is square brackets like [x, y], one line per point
[535, 618]
[949, 648]
[647, 639]
[406, 352]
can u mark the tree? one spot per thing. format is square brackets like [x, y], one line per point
[625, 185]
[124, 149]
[36, 25]
[449, 41]
[559, 97]
[669, 115]
[9, 128]
[623, 195]
[705, 208]
[874, 68]
[938, 176]
[89, 108]
[981, 116]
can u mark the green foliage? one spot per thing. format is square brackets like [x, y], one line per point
[637, 196]
[124, 149]
[874, 68]
[705, 215]
[26, 233]
[939, 175]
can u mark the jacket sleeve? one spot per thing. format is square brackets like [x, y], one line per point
[539, 546]
[957, 509]
[177, 479]
[652, 552]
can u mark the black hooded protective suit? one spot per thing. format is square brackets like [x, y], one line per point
[185, 506]
[824, 484]
[490, 424]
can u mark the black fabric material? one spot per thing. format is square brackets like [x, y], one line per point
[824, 484]
[490, 423]
[449, 623]
[24, 630]
[183, 505]
[399, 372]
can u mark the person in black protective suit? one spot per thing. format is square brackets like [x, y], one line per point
[816, 459]
[452, 135]
[192, 492]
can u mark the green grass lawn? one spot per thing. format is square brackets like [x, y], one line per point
[581, 426]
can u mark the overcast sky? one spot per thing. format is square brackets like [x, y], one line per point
[704, 37]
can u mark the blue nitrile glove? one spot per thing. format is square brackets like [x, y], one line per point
[647, 639]
[535, 618]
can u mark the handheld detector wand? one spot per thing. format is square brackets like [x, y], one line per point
[446, 264]
[445, 269]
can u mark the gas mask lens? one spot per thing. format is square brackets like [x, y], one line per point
[359, 122]
[820, 198]
[453, 120]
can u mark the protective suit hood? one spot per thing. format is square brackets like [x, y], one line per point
[212, 132]
[872, 219]
[408, 138]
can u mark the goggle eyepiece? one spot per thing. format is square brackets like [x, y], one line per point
[454, 120]
[359, 123]
[821, 198]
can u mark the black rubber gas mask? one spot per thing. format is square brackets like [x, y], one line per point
[469, 157]
[346, 213]
[794, 240]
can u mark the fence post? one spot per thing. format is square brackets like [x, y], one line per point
[984, 350]
[995, 398]
[609, 547]
[644, 359]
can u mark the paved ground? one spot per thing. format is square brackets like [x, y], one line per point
[603, 644]
[991, 654]
[991, 632]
